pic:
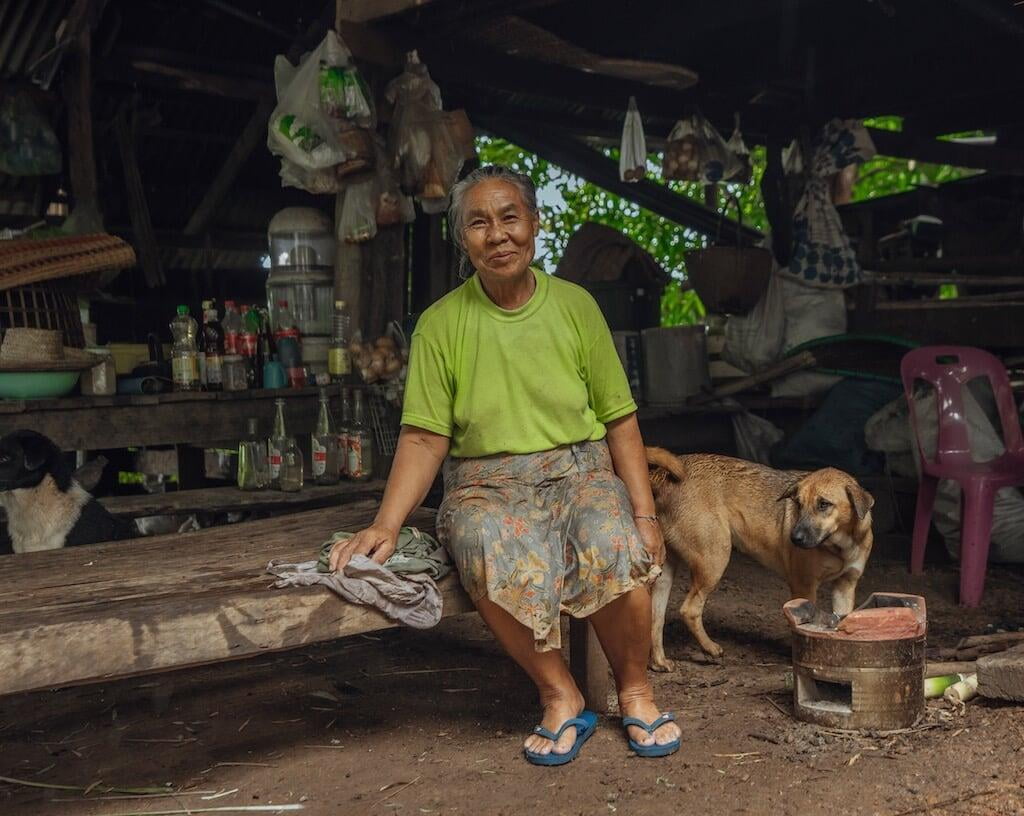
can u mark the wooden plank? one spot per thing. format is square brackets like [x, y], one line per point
[253, 135]
[938, 151]
[789, 365]
[113, 610]
[589, 665]
[364, 11]
[85, 214]
[221, 499]
[104, 423]
[138, 206]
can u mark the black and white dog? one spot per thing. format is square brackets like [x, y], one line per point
[46, 507]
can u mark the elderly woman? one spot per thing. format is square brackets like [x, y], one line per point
[516, 389]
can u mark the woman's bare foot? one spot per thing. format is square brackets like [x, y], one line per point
[559, 706]
[641, 705]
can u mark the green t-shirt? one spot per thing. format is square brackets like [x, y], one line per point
[515, 381]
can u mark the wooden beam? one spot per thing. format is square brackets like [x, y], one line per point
[581, 160]
[253, 134]
[938, 151]
[365, 11]
[85, 216]
[178, 75]
[138, 206]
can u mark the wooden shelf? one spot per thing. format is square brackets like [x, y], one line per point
[222, 499]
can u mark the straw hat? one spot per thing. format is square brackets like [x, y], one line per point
[41, 350]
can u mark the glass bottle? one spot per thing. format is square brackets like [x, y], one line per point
[276, 445]
[213, 342]
[339, 361]
[325, 446]
[360, 443]
[343, 432]
[184, 352]
[253, 470]
[232, 327]
[291, 467]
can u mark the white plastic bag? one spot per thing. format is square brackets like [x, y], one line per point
[633, 150]
[754, 340]
[358, 222]
[755, 437]
[316, 101]
[697, 152]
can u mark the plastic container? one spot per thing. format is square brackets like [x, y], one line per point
[302, 250]
[234, 371]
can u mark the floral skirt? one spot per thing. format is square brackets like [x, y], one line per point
[543, 533]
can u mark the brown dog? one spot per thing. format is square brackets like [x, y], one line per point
[809, 528]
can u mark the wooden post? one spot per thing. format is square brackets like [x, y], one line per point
[85, 214]
[142, 224]
[588, 665]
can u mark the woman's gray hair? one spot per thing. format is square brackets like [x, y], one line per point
[523, 183]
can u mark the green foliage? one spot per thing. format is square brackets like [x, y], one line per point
[566, 202]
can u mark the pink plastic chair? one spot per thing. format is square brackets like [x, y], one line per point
[949, 369]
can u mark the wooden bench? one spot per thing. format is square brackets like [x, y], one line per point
[106, 611]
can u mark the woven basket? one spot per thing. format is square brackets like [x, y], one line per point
[28, 261]
[43, 306]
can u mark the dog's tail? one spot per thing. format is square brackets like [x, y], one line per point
[659, 457]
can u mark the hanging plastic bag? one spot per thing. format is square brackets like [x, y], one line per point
[358, 222]
[682, 153]
[633, 150]
[697, 152]
[28, 145]
[319, 102]
[421, 146]
[742, 169]
[392, 206]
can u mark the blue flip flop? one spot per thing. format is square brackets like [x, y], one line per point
[654, 750]
[585, 725]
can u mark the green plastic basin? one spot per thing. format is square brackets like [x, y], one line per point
[37, 384]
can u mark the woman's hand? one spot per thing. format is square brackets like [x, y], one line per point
[377, 541]
[654, 543]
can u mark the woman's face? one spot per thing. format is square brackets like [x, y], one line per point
[498, 230]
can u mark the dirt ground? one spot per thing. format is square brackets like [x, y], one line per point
[409, 722]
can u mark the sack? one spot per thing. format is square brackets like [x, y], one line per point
[633, 150]
[318, 103]
[28, 145]
[696, 152]
[742, 169]
[810, 313]
[755, 341]
[358, 222]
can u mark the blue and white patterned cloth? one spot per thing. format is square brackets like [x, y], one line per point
[822, 255]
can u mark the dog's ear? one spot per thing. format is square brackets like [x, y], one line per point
[36, 450]
[790, 491]
[860, 500]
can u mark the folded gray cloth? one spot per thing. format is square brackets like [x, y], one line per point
[415, 551]
[413, 599]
